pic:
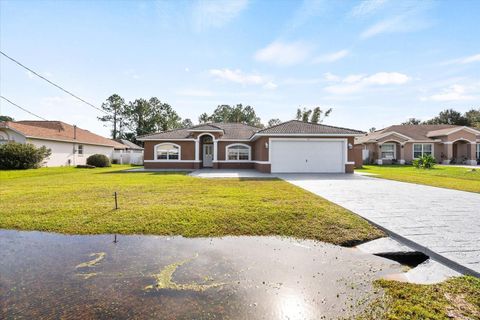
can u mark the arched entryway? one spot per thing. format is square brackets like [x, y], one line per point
[460, 152]
[207, 150]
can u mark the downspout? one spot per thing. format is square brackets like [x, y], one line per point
[74, 144]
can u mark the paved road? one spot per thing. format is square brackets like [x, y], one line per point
[443, 223]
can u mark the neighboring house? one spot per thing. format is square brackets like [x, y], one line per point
[70, 145]
[292, 146]
[404, 143]
[131, 154]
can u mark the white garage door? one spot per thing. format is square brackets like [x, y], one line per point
[321, 156]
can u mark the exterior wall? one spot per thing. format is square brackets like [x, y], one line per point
[259, 150]
[222, 148]
[462, 134]
[234, 165]
[10, 135]
[171, 165]
[262, 167]
[187, 149]
[358, 155]
[63, 152]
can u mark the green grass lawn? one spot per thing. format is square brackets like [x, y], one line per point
[80, 201]
[456, 298]
[440, 176]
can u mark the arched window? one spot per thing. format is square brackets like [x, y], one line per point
[167, 151]
[236, 152]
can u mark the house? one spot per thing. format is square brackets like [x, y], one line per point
[292, 146]
[404, 143]
[70, 145]
[130, 154]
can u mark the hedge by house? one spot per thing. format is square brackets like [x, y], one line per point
[14, 155]
[99, 160]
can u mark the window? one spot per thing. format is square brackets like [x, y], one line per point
[478, 151]
[167, 151]
[421, 149]
[80, 149]
[238, 152]
[388, 151]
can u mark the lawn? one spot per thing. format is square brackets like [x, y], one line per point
[456, 298]
[80, 201]
[458, 178]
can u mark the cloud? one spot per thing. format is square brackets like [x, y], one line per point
[307, 10]
[405, 16]
[464, 60]
[356, 82]
[285, 54]
[216, 13]
[331, 57]
[237, 76]
[367, 8]
[455, 92]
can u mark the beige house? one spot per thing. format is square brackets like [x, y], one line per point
[401, 144]
[69, 144]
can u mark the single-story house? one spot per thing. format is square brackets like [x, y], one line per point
[403, 143]
[292, 146]
[70, 145]
[130, 154]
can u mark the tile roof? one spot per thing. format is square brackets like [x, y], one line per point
[237, 131]
[129, 144]
[58, 130]
[300, 127]
[415, 132]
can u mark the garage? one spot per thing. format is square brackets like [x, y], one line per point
[308, 155]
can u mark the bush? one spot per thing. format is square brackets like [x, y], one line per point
[14, 155]
[85, 166]
[425, 162]
[98, 160]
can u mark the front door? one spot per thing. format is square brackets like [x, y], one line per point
[208, 155]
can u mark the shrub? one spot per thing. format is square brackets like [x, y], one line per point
[14, 155]
[98, 160]
[425, 162]
[85, 166]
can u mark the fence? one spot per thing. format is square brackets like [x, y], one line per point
[135, 158]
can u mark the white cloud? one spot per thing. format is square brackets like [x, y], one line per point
[331, 77]
[464, 60]
[356, 82]
[455, 92]
[237, 76]
[332, 57]
[366, 8]
[216, 13]
[282, 53]
[405, 16]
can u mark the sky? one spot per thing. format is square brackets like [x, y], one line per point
[376, 63]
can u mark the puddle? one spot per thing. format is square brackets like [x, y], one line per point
[44, 275]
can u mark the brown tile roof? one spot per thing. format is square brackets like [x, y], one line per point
[58, 130]
[236, 131]
[300, 127]
[414, 132]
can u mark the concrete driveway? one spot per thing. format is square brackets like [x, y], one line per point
[442, 223]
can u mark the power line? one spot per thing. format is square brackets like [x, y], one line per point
[16, 105]
[52, 83]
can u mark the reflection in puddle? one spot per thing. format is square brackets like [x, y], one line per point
[45, 276]
[164, 280]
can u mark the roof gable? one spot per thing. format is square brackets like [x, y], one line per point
[59, 131]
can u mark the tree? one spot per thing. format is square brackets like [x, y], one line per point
[473, 117]
[5, 118]
[141, 117]
[115, 108]
[372, 129]
[164, 116]
[236, 114]
[273, 122]
[204, 118]
[412, 121]
[187, 123]
[449, 116]
[317, 115]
